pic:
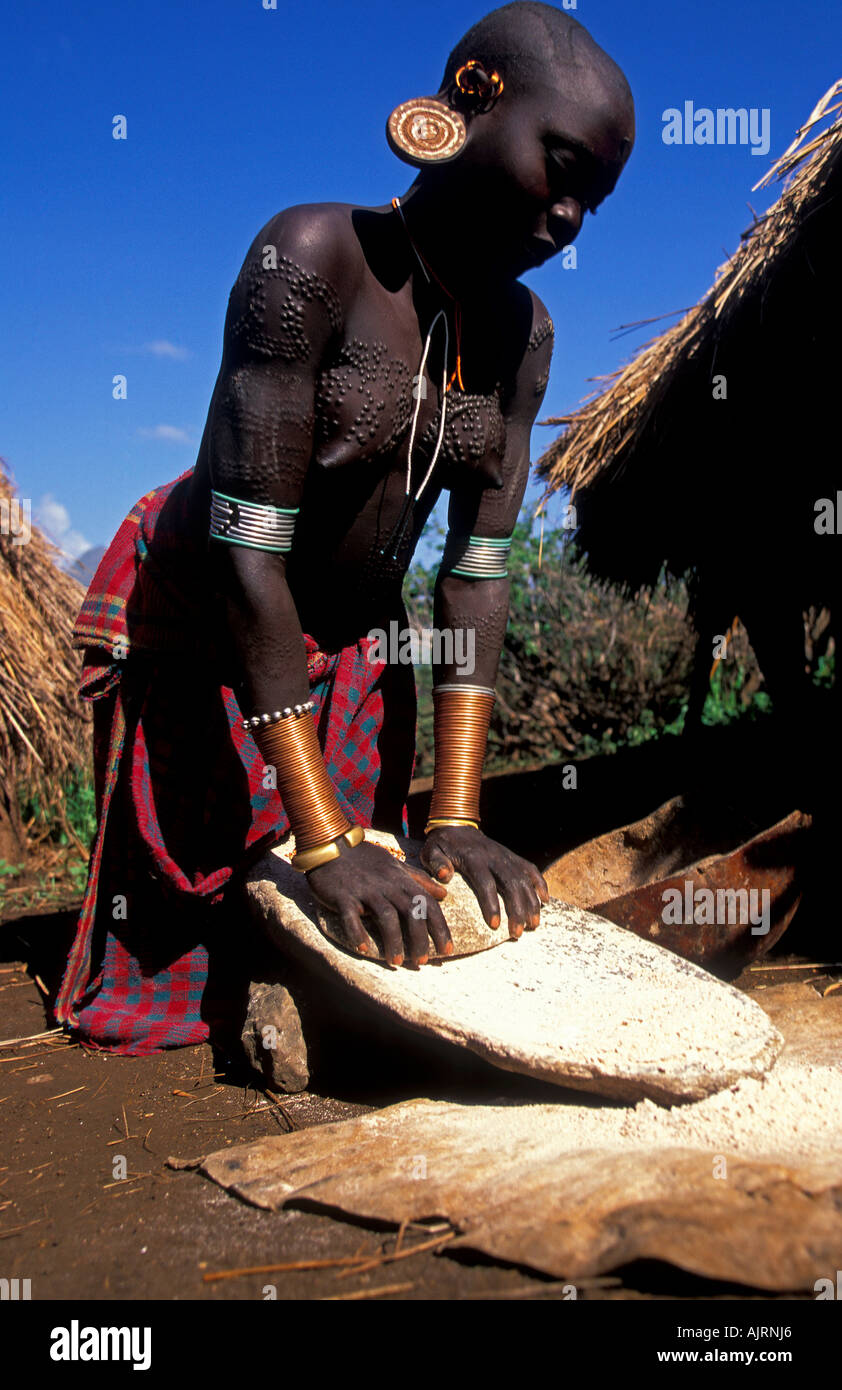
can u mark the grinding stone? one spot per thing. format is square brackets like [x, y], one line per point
[580, 1002]
[743, 1187]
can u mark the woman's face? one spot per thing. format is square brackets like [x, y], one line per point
[534, 166]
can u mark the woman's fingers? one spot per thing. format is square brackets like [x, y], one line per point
[388, 922]
[423, 918]
[406, 921]
[539, 883]
[438, 863]
[522, 906]
[436, 890]
[350, 917]
[437, 927]
[481, 879]
[516, 910]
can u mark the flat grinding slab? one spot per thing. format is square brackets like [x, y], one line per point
[744, 1186]
[580, 1002]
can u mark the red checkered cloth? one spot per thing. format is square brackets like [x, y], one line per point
[182, 805]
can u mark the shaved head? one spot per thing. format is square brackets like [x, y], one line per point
[531, 43]
[534, 163]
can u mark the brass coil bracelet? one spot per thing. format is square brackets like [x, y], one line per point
[291, 746]
[462, 714]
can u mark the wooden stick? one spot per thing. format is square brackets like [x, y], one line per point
[290, 1122]
[127, 1180]
[13, 1230]
[290, 1267]
[366, 1293]
[811, 965]
[399, 1255]
[32, 1037]
[536, 1290]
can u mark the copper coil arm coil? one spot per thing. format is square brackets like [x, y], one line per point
[292, 748]
[460, 726]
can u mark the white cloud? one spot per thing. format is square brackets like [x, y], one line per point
[54, 519]
[162, 347]
[171, 433]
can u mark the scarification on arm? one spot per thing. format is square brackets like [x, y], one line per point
[280, 321]
[540, 333]
[490, 626]
[493, 512]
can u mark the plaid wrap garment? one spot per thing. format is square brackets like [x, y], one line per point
[181, 801]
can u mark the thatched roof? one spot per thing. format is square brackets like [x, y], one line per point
[44, 732]
[646, 455]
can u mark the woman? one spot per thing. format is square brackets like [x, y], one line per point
[372, 357]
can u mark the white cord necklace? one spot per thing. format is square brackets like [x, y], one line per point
[419, 380]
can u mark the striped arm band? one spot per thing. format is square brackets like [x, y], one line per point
[256, 525]
[476, 557]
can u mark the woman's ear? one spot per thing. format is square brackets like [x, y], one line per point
[432, 130]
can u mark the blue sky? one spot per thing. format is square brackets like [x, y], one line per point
[118, 256]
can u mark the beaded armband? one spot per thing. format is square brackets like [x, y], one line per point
[253, 524]
[476, 557]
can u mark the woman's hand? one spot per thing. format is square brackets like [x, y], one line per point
[403, 903]
[488, 867]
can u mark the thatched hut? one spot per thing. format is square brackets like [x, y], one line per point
[710, 452]
[44, 729]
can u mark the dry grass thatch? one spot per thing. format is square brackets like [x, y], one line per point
[44, 733]
[643, 455]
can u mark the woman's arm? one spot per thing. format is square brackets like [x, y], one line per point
[283, 318]
[480, 522]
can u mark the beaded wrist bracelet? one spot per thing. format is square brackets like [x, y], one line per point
[260, 721]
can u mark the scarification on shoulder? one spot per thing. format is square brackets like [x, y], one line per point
[276, 329]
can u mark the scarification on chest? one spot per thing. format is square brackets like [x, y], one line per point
[474, 429]
[365, 398]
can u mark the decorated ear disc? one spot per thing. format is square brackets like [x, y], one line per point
[425, 131]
